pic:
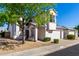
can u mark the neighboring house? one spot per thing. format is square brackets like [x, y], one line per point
[66, 31]
[48, 30]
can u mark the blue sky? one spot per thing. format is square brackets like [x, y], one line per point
[67, 14]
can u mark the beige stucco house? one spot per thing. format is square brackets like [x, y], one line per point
[48, 30]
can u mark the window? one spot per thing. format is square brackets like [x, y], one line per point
[52, 18]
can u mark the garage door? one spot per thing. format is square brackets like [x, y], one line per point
[56, 35]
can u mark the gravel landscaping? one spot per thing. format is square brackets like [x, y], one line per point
[15, 46]
[20, 47]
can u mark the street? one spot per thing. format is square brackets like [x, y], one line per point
[71, 51]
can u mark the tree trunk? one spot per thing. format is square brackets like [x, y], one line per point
[23, 32]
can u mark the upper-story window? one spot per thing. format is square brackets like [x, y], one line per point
[52, 18]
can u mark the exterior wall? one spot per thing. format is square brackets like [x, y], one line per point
[53, 34]
[41, 33]
[65, 34]
[32, 33]
[71, 32]
[10, 30]
[61, 34]
[76, 33]
[48, 33]
[17, 32]
[56, 34]
[36, 34]
[51, 26]
[14, 31]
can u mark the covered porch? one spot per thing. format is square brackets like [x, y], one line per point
[32, 32]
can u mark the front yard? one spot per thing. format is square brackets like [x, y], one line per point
[15, 47]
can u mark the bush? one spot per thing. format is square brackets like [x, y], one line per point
[56, 40]
[71, 37]
[47, 39]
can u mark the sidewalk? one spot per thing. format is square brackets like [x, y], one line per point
[45, 49]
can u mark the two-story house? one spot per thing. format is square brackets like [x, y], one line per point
[48, 30]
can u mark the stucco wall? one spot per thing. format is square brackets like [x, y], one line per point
[51, 26]
[17, 32]
[48, 33]
[61, 34]
[71, 32]
[10, 30]
[14, 31]
[53, 34]
[56, 34]
[41, 33]
[74, 32]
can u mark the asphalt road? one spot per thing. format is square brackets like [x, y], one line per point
[70, 51]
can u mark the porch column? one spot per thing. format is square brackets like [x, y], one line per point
[36, 34]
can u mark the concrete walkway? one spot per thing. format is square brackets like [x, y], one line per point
[46, 49]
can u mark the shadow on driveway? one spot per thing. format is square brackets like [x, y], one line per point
[70, 51]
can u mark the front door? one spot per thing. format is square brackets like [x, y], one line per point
[27, 34]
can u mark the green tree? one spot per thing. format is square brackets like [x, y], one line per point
[2, 19]
[27, 11]
[8, 18]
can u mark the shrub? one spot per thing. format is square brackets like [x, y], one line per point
[71, 37]
[47, 39]
[56, 40]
